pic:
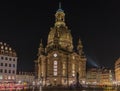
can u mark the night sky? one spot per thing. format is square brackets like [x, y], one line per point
[96, 22]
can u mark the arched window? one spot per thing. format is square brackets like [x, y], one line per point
[55, 68]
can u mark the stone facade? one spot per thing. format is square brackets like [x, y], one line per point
[8, 63]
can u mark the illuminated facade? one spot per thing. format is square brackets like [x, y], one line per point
[57, 63]
[117, 71]
[92, 76]
[100, 76]
[25, 78]
[8, 63]
[106, 77]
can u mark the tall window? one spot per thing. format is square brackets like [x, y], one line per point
[73, 69]
[55, 68]
[64, 67]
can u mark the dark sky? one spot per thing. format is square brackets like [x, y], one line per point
[96, 22]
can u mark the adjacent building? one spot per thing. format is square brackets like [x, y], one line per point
[106, 77]
[57, 62]
[100, 76]
[117, 71]
[8, 63]
[92, 76]
[25, 78]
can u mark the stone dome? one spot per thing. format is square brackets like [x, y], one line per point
[65, 37]
[64, 34]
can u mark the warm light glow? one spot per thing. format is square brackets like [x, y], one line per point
[55, 55]
[73, 74]
[9, 77]
[2, 47]
[6, 48]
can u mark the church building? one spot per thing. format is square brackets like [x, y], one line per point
[57, 62]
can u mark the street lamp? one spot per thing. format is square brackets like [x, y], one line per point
[40, 89]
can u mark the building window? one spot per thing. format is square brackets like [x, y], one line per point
[63, 72]
[6, 58]
[9, 71]
[14, 59]
[1, 77]
[5, 64]
[5, 77]
[13, 65]
[9, 59]
[73, 69]
[1, 70]
[5, 71]
[9, 77]
[64, 66]
[1, 64]
[2, 47]
[73, 66]
[2, 58]
[13, 77]
[55, 68]
[13, 71]
[9, 65]
[55, 73]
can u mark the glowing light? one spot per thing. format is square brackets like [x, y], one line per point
[55, 55]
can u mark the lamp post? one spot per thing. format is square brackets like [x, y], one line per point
[33, 86]
[40, 89]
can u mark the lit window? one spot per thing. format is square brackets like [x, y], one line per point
[73, 66]
[2, 47]
[73, 57]
[73, 74]
[9, 77]
[55, 73]
[55, 66]
[4, 43]
[73, 71]
[10, 49]
[64, 66]
[63, 72]
[6, 48]
[55, 69]
[1, 77]
[13, 77]
[55, 62]
[5, 77]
